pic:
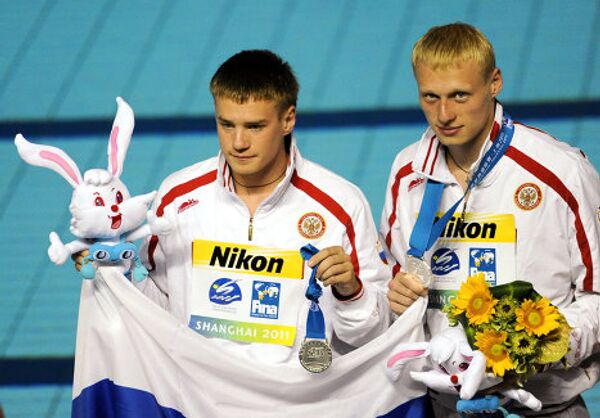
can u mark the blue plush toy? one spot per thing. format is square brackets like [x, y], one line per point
[481, 406]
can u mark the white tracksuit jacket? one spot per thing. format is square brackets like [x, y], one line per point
[201, 203]
[553, 192]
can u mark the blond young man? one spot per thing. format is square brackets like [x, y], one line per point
[541, 195]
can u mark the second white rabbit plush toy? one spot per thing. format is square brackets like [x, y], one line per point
[455, 368]
[105, 218]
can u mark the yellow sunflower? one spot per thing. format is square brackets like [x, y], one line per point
[537, 318]
[475, 299]
[491, 343]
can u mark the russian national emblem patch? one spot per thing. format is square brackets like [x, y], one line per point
[311, 225]
[528, 196]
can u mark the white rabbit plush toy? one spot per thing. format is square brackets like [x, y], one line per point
[455, 367]
[106, 219]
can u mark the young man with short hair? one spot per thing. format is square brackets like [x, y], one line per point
[231, 269]
[539, 195]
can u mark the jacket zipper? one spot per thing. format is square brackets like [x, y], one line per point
[250, 229]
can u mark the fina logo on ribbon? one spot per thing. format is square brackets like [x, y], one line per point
[224, 291]
[444, 261]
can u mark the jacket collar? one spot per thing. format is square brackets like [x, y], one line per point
[225, 181]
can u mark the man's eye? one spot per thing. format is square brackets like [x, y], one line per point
[461, 97]
[429, 98]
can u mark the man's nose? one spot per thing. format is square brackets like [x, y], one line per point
[240, 140]
[446, 113]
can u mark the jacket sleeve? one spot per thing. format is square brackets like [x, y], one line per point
[583, 315]
[391, 236]
[366, 315]
[155, 286]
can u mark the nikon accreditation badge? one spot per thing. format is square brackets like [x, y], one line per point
[479, 243]
[315, 355]
[246, 293]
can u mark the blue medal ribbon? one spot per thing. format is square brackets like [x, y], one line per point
[427, 229]
[315, 321]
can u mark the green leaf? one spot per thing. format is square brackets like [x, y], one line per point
[518, 290]
[554, 346]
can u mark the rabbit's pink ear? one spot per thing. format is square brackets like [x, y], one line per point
[407, 352]
[404, 353]
[50, 157]
[119, 137]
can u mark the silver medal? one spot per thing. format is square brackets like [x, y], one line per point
[419, 268]
[315, 355]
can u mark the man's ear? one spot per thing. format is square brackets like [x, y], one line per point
[496, 82]
[289, 119]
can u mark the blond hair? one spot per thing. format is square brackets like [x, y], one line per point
[444, 46]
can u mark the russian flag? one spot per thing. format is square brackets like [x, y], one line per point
[134, 360]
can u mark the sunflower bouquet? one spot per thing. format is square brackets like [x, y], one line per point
[518, 331]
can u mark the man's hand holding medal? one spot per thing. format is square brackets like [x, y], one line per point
[332, 267]
[407, 286]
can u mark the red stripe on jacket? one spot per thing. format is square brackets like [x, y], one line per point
[559, 187]
[169, 197]
[437, 151]
[335, 208]
[403, 172]
[428, 153]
